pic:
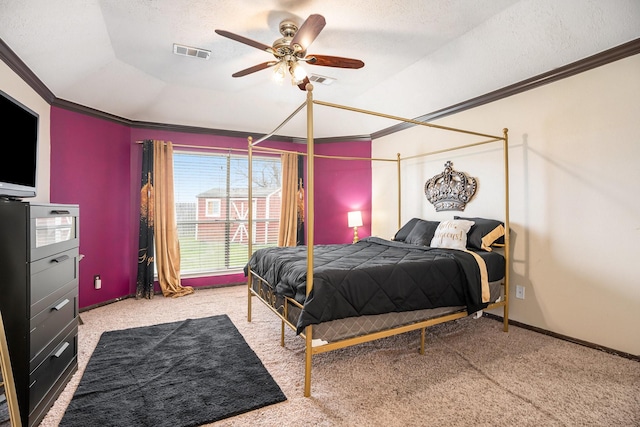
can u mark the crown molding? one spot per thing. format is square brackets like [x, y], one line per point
[78, 108]
[611, 55]
[14, 62]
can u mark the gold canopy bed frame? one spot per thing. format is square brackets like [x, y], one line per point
[282, 306]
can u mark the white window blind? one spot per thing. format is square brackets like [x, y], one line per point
[211, 195]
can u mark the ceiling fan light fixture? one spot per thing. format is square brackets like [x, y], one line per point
[291, 50]
[279, 72]
[298, 73]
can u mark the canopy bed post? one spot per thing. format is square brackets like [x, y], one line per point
[399, 194]
[249, 219]
[251, 144]
[310, 234]
[507, 246]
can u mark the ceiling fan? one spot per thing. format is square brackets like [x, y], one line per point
[291, 49]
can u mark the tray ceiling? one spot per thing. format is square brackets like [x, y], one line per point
[420, 56]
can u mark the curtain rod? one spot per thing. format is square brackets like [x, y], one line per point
[274, 150]
[324, 156]
[243, 150]
[203, 147]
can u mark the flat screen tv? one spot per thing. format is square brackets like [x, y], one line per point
[20, 149]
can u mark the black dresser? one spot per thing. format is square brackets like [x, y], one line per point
[39, 300]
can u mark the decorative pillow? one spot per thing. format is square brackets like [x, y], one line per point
[404, 231]
[484, 233]
[452, 234]
[422, 233]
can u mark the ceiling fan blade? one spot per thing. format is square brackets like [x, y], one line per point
[334, 61]
[308, 32]
[254, 69]
[303, 85]
[245, 40]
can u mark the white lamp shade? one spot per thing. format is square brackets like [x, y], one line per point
[355, 219]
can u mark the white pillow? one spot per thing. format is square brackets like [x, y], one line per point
[452, 234]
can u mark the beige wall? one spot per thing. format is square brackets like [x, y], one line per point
[574, 198]
[15, 87]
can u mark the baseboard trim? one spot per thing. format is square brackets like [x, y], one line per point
[103, 303]
[565, 338]
[111, 301]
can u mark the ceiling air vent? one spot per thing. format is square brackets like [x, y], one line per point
[321, 79]
[194, 52]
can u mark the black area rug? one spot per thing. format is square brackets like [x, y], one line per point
[4, 412]
[4, 409]
[176, 374]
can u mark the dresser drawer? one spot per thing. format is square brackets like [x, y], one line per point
[54, 229]
[51, 321]
[50, 274]
[63, 352]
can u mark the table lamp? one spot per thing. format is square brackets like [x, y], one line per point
[355, 221]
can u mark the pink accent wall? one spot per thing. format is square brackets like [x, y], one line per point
[90, 167]
[96, 163]
[342, 186]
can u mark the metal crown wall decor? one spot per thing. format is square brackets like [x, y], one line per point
[450, 190]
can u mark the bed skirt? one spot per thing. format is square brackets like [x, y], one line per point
[340, 329]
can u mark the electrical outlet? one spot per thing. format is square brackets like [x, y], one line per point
[520, 292]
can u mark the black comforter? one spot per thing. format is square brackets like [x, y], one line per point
[373, 276]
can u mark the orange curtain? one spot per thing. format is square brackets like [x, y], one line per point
[287, 235]
[167, 255]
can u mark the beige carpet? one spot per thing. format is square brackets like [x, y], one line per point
[472, 372]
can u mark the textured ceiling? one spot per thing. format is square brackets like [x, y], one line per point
[420, 56]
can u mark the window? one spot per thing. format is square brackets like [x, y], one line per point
[212, 206]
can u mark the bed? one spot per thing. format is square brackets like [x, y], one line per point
[340, 295]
